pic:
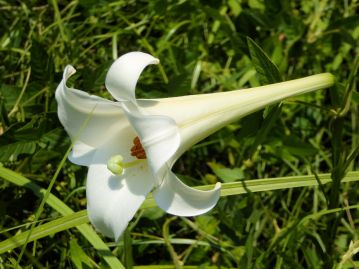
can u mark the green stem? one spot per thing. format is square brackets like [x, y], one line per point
[167, 239]
[58, 20]
[17, 103]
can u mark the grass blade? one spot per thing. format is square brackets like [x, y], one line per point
[79, 219]
[86, 230]
[43, 230]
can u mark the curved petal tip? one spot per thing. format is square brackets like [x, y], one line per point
[68, 72]
[123, 74]
[176, 198]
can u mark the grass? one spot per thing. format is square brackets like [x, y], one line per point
[309, 141]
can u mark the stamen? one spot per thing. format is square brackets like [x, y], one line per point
[116, 164]
[137, 149]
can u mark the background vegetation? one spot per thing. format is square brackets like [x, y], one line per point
[203, 47]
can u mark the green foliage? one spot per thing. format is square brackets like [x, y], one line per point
[204, 46]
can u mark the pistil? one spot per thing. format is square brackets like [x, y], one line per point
[117, 166]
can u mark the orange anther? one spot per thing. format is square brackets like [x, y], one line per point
[137, 149]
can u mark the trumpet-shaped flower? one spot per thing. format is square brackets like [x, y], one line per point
[130, 145]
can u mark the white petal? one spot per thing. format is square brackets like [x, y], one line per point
[89, 120]
[81, 154]
[123, 74]
[112, 201]
[159, 136]
[179, 199]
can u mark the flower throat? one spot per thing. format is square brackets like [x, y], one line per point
[116, 164]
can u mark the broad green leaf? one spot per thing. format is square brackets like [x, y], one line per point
[42, 66]
[9, 94]
[226, 174]
[266, 126]
[32, 130]
[54, 138]
[295, 146]
[4, 120]
[257, 4]
[153, 213]
[355, 97]
[347, 22]
[349, 88]
[235, 7]
[11, 151]
[207, 223]
[267, 71]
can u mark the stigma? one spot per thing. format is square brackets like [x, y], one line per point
[116, 165]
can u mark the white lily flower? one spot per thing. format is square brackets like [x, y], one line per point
[131, 145]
